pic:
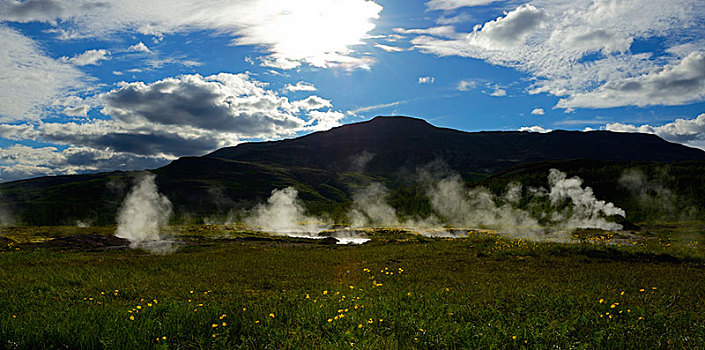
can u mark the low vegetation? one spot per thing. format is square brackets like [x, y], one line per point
[229, 288]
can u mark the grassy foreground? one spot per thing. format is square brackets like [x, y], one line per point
[398, 291]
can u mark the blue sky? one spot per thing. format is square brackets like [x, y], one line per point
[89, 85]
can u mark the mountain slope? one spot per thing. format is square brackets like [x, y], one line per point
[401, 143]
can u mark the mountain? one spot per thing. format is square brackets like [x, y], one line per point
[391, 144]
[327, 167]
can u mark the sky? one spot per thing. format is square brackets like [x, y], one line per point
[91, 85]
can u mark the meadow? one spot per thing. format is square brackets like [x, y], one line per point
[229, 288]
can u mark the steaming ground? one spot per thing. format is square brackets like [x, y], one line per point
[143, 215]
[537, 214]
[550, 214]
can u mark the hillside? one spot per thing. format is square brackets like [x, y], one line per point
[328, 167]
[394, 144]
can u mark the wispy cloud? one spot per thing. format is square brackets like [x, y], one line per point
[374, 107]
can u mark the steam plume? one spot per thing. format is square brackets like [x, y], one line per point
[283, 213]
[142, 214]
[370, 208]
[478, 207]
[586, 210]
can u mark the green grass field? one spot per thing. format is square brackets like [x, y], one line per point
[226, 288]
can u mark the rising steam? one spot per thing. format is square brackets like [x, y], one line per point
[370, 208]
[142, 215]
[284, 214]
[584, 210]
[565, 205]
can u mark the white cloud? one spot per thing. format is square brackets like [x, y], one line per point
[581, 50]
[454, 4]
[686, 131]
[538, 111]
[389, 48]
[90, 57]
[78, 111]
[300, 86]
[676, 84]
[139, 47]
[441, 31]
[20, 162]
[498, 92]
[374, 107]
[508, 31]
[30, 80]
[312, 103]
[535, 128]
[455, 19]
[316, 32]
[185, 115]
[426, 80]
[325, 120]
[465, 85]
[18, 132]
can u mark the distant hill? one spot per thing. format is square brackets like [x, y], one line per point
[395, 143]
[327, 167]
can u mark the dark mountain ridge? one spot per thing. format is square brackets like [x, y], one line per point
[392, 143]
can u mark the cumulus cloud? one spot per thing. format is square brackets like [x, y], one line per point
[426, 80]
[687, 131]
[90, 57]
[535, 128]
[538, 111]
[324, 120]
[139, 47]
[30, 80]
[677, 84]
[447, 5]
[172, 117]
[20, 162]
[498, 91]
[300, 86]
[581, 50]
[312, 103]
[508, 31]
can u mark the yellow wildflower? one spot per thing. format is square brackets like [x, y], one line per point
[132, 318]
[271, 315]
